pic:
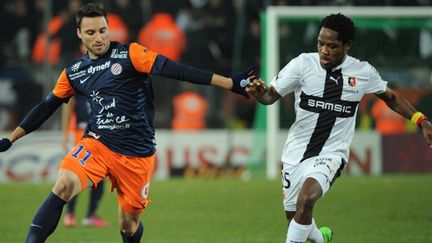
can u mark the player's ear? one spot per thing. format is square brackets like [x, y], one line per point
[78, 31]
[348, 45]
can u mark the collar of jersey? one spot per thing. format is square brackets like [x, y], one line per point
[340, 65]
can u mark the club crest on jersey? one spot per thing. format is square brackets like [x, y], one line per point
[116, 69]
[352, 81]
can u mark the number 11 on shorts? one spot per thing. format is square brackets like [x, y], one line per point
[78, 151]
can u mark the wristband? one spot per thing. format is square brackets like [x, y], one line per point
[241, 80]
[418, 118]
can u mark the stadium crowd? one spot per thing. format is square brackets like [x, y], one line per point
[36, 43]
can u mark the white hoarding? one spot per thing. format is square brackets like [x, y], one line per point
[36, 156]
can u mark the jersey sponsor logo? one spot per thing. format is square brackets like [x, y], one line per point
[329, 106]
[118, 55]
[341, 108]
[108, 118]
[98, 68]
[350, 91]
[73, 76]
[76, 66]
[116, 69]
[322, 161]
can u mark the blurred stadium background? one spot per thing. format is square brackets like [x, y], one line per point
[218, 174]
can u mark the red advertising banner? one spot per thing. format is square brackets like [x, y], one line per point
[406, 153]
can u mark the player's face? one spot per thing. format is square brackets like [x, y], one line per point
[331, 51]
[94, 34]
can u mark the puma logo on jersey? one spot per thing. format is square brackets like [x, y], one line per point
[334, 79]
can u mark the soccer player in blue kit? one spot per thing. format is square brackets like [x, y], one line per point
[327, 86]
[119, 138]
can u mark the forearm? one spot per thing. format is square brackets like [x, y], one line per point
[40, 113]
[183, 72]
[400, 105]
[221, 81]
[18, 133]
[235, 83]
[397, 103]
[269, 97]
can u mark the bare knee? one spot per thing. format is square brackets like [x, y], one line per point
[128, 222]
[67, 185]
[306, 203]
[309, 194]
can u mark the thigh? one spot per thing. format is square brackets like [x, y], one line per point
[291, 183]
[131, 176]
[324, 169]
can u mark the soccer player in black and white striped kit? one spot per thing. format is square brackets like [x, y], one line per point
[328, 86]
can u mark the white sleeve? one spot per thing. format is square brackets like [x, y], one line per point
[288, 78]
[376, 84]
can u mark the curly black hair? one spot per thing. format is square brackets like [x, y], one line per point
[341, 24]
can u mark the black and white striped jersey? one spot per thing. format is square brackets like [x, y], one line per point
[326, 104]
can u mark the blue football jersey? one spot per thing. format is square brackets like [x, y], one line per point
[119, 90]
[82, 111]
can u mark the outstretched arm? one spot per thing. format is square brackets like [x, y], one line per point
[147, 61]
[264, 95]
[33, 120]
[236, 83]
[400, 105]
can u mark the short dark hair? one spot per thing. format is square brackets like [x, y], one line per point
[341, 24]
[90, 10]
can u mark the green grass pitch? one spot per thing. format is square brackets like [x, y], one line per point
[358, 209]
